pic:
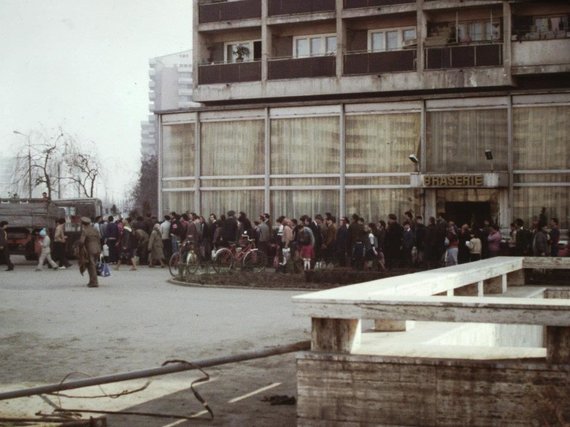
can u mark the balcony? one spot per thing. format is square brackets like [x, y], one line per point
[353, 4]
[229, 73]
[483, 55]
[287, 7]
[229, 11]
[379, 62]
[295, 68]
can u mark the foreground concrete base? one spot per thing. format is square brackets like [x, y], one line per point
[364, 390]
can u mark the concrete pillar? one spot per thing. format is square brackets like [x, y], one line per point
[558, 344]
[266, 42]
[335, 335]
[421, 34]
[340, 39]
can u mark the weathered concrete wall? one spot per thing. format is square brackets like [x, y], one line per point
[541, 52]
[371, 390]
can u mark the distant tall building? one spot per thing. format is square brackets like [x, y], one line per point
[170, 88]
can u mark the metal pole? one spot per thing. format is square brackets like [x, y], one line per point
[164, 370]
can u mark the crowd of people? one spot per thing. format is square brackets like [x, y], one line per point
[319, 241]
[309, 242]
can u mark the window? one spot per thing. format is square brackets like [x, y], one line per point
[545, 24]
[392, 39]
[242, 51]
[317, 45]
[475, 31]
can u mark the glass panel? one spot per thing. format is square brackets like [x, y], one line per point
[457, 140]
[409, 34]
[331, 44]
[540, 137]
[541, 24]
[528, 202]
[178, 150]
[302, 47]
[306, 145]
[316, 46]
[463, 33]
[387, 138]
[376, 204]
[233, 147]
[492, 31]
[377, 42]
[296, 203]
[179, 201]
[220, 202]
[476, 31]
[392, 40]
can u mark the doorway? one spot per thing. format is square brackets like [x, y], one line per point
[467, 212]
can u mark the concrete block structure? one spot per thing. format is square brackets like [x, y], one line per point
[432, 358]
[313, 106]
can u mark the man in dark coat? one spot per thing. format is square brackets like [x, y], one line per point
[393, 242]
[90, 250]
[4, 250]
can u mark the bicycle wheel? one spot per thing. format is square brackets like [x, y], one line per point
[254, 260]
[223, 261]
[173, 263]
[192, 263]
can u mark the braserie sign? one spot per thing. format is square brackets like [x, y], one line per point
[453, 181]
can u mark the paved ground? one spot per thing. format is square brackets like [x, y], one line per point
[52, 325]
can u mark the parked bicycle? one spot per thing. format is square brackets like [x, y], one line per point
[245, 255]
[190, 260]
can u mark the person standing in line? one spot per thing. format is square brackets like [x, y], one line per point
[155, 247]
[540, 242]
[494, 241]
[5, 251]
[554, 236]
[89, 251]
[165, 234]
[45, 253]
[59, 242]
[475, 246]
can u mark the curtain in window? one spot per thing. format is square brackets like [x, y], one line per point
[233, 148]
[306, 145]
[541, 137]
[381, 142]
[220, 202]
[178, 150]
[294, 203]
[177, 201]
[457, 140]
[528, 202]
[377, 204]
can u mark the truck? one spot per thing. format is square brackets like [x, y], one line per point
[26, 217]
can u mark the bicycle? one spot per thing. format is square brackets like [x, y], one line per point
[248, 257]
[187, 261]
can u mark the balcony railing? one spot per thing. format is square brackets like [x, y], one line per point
[294, 68]
[484, 55]
[229, 73]
[229, 11]
[352, 4]
[286, 7]
[380, 62]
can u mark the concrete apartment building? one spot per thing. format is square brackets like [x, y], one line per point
[170, 88]
[374, 107]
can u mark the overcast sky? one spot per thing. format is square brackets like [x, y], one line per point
[83, 65]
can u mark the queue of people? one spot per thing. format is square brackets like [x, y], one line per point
[307, 242]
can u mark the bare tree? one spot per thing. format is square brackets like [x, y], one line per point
[83, 170]
[40, 163]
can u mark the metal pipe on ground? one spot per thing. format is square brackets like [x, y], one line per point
[164, 370]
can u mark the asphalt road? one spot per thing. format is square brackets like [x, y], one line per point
[53, 329]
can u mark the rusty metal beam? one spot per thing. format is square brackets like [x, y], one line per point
[164, 370]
